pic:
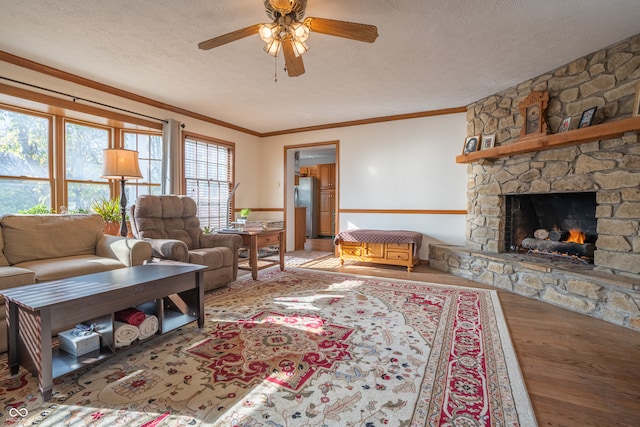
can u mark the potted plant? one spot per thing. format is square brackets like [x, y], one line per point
[109, 211]
[39, 209]
[244, 214]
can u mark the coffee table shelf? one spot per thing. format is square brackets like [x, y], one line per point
[172, 292]
[63, 363]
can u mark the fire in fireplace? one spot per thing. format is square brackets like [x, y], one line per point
[553, 224]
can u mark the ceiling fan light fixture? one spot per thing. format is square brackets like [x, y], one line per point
[289, 30]
[273, 47]
[299, 47]
[300, 31]
[268, 31]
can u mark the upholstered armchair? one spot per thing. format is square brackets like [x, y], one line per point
[169, 223]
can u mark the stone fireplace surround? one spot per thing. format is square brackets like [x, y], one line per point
[609, 289]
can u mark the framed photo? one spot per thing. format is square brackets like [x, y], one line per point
[533, 109]
[636, 103]
[471, 144]
[565, 125]
[488, 141]
[587, 117]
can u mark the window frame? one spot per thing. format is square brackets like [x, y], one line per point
[51, 153]
[138, 183]
[115, 124]
[230, 147]
[63, 161]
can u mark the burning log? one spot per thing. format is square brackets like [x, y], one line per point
[579, 249]
[541, 234]
[558, 236]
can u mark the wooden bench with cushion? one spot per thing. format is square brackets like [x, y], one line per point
[395, 247]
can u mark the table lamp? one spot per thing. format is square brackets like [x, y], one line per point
[123, 165]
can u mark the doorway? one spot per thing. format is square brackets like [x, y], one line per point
[307, 162]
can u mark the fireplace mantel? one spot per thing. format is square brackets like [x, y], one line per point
[573, 137]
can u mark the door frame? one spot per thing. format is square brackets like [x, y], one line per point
[289, 170]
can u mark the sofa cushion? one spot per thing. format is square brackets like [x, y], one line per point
[11, 277]
[35, 237]
[167, 217]
[212, 257]
[3, 259]
[62, 268]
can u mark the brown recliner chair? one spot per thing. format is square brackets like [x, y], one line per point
[169, 223]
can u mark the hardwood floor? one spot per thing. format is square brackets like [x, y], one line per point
[324, 244]
[579, 371]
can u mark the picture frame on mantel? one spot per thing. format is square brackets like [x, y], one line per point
[488, 141]
[636, 103]
[587, 117]
[565, 125]
[533, 109]
[471, 144]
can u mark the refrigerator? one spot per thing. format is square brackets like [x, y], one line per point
[307, 194]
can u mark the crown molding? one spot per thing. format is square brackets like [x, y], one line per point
[73, 78]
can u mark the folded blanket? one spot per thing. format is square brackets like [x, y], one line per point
[131, 316]
[148, 327]
[124, 334]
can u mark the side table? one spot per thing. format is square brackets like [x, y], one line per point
[254, 240]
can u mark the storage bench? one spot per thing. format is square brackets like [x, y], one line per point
[395, 247]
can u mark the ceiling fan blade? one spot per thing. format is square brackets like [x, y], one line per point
[349, 30]
[229, 37]
[295, 66]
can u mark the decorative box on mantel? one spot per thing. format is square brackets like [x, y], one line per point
[78, 345]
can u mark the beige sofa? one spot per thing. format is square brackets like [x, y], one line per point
[38, 248]
[170, 224]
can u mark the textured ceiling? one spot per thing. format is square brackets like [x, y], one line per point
[430, 55]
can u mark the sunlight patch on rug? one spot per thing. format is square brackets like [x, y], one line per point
[304, 347]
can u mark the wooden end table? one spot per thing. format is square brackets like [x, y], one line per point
[254, 240]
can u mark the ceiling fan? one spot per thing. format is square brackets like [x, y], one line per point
[289, 32]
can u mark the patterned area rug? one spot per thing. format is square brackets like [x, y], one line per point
[303, 348]
[299, 258]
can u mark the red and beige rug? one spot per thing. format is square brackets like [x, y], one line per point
[303, 348]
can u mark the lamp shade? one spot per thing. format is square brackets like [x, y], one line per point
[120, 164]
[273, 47]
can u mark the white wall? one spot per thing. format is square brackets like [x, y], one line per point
[399, 165]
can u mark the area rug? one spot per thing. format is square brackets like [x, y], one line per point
[303, 348]
[300, 258]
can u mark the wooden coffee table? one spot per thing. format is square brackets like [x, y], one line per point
[254, 240]
[172, 292]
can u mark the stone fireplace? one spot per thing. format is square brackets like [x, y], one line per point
[599, 180]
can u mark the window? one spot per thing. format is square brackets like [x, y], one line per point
[40, 173]
[149, 148]
[84, 145]
[25, 161]
[208, 179]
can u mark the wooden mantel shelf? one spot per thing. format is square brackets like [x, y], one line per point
[556, 140]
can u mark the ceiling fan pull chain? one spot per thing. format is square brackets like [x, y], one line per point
[275, 69]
